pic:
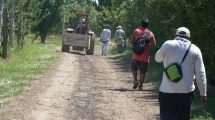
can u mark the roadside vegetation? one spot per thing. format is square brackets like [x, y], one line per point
[200, 111]
[23, 65]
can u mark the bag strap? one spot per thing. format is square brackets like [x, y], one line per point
[185, 55]
[147, 32]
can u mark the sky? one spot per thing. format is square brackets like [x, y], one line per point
[97, 2]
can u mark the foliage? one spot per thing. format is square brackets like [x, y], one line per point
[74, 7]
[47, 18]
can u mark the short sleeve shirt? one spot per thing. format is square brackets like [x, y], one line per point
[145, 56]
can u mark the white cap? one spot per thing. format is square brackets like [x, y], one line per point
[119, 27]
[183, 31]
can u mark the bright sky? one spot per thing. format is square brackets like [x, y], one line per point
[97, 2]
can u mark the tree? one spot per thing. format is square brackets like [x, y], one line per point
[1, 16]
[12, 22]
[22, 15]
[48, 18]
[5, 32]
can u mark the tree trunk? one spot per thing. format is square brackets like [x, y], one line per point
[63, 21]
[43, 38]
[1, 16]
[22, 31]
[5, 32]
[20, 35]
[12, 23]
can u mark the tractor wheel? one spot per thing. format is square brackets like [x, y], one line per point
[92, 42]
[65, 48]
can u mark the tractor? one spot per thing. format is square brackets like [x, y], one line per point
[79, 37]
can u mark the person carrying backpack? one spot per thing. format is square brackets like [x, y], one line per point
[176, 91]
[141, 61]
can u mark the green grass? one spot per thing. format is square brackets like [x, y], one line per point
[200, 111]
[204, 111]
[23, 65]
[97, 41]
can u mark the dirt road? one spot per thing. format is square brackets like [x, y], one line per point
[82, 87]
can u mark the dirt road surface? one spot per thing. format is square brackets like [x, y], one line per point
[82, 87]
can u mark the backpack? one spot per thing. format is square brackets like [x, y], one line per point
[140, 43]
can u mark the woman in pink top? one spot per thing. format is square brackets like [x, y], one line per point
[141, 61]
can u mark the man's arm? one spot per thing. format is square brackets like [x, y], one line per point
[102, 35]
[159, 56]
[153, 41]
[201, 76]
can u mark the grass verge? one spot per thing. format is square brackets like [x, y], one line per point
[200, 111]
[23, 65]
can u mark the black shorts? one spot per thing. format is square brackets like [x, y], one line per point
[142, 66]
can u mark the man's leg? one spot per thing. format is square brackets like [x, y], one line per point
[143, 71]
[142, 78]
[125, 44]
[167, 104]
[184, 102]
[103, 48]
[135, 79]
[119, 45]
[134, 67]
[106, 47]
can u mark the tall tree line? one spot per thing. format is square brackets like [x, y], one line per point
[39, 17]
[20, 17]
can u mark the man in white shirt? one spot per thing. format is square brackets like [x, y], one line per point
[175, 99]
[105, 37]
[120, 38]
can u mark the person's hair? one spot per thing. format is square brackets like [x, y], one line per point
[183, 36]
[107, 26]
[144, 22]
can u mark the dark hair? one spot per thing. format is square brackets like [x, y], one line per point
[145, 22]
[183, 36]
[107, 26]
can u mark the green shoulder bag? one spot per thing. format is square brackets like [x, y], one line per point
[173, 71]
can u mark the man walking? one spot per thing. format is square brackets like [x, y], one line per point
[105, 37]
[141, 61]
[175, 98]
[120, 38]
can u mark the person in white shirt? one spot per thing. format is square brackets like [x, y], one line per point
[175, 99]
[105, 37]
[120, 38]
